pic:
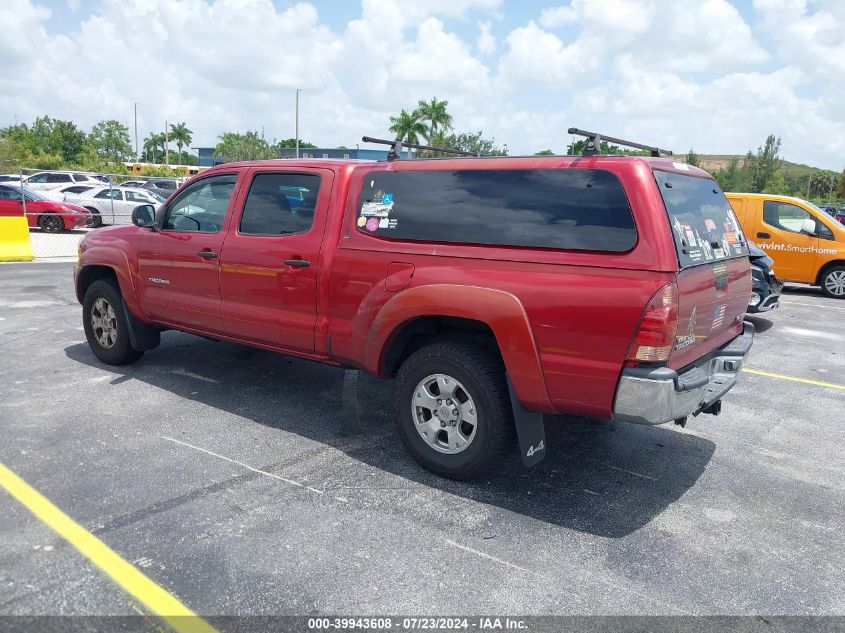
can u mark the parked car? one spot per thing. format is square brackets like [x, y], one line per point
[132, 183]
[51, 216]
[12, 179]
[806, 244]
[163, 187]
[113, 205]
[839, 216]
[68, 191]
[52, 179]
[492, 289]
[766, 287]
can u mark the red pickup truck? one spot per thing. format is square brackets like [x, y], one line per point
[493, 289]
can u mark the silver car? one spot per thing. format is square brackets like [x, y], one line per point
[114, 205]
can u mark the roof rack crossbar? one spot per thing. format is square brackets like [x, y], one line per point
[396, 146]
[594, 143]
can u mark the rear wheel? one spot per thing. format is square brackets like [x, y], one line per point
[833, 282]
[105, 324]
[453, 411]
[96, 219]
[51, 223]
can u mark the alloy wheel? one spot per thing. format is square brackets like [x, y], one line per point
[444, 414]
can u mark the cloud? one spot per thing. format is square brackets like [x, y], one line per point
[678, 73]
[485, 42]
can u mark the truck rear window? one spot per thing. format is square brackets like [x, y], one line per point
[703, 224]
[577, 209]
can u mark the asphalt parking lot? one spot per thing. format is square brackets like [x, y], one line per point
[233, 479]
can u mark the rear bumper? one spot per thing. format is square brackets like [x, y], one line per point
[765, 295]
[657, 395]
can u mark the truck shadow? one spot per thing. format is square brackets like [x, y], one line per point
[600, 477]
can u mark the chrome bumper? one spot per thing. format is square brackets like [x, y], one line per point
[657, 395]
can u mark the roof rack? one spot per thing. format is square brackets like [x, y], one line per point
[395, 151]
[594, 140]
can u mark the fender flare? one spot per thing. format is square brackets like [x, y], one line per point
[501, 311]
[115, 259]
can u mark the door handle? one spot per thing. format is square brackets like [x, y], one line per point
[764, 236]
[298, 263]
[207, 254]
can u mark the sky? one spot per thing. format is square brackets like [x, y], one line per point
[716, 76]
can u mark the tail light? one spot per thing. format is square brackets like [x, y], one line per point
[658, 327]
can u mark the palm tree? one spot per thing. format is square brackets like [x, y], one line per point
[434, 111]
[181, 135]
[407, 127]
[152, 144]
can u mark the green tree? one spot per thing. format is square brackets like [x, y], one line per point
[777, 184]
[840, 185]
[438, 117]
[110, 140]
[577, 148]
[234, 146]
[693, 158]
[290, 143]
[732, 177]
[181, 135]
[407, 127]
[474, 142]
[822, 183]
[152, 143]
[545, 152]
[761, 167]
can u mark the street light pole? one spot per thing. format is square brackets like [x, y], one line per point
[137, 155]
[298, 90]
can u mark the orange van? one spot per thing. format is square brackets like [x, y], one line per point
[808, 245]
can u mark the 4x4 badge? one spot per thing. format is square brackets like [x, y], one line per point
[689, 338]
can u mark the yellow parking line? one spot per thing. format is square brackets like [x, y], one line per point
[806, 381]
[157, 600]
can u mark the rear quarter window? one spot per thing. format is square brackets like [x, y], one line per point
[704, 226]
[573, 209]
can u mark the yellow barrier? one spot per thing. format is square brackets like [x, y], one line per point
[14, 240]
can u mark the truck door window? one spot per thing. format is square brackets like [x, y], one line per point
[280, 204]
[201, 207]
[784, 215]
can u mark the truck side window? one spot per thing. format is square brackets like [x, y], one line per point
[784, 215]
[201, 207]
[280, 204]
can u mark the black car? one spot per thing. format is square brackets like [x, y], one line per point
[765, 288]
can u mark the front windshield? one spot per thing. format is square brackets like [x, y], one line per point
[155, 196]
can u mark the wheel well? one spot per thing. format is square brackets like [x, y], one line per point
[826, 267]
[89, 275]
[422, 331]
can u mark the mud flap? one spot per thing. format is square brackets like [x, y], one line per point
[142, 337]
[529, 430]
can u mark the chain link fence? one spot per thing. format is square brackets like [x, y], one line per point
[61, 207]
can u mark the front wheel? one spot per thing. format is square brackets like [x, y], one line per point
[833, 282]
[51, 223]
[105, 324]
[453, 410]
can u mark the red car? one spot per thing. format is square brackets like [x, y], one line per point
[50, 216]
[492, 289]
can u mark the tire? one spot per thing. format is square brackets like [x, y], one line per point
[103, 305]
[478, 386]
[833, 282]
[51, 223]
[96, 220]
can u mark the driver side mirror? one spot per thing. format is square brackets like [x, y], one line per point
[143, 215]
[808, 227]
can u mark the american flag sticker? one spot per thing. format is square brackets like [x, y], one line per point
[718, 316]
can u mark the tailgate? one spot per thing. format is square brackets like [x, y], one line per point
[712, 300]
[714, 282]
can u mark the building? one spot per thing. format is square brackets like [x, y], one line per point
[207, 159]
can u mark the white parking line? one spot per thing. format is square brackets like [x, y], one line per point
[488, 557]
[812, 305]
[631, 472]
[190, 374]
